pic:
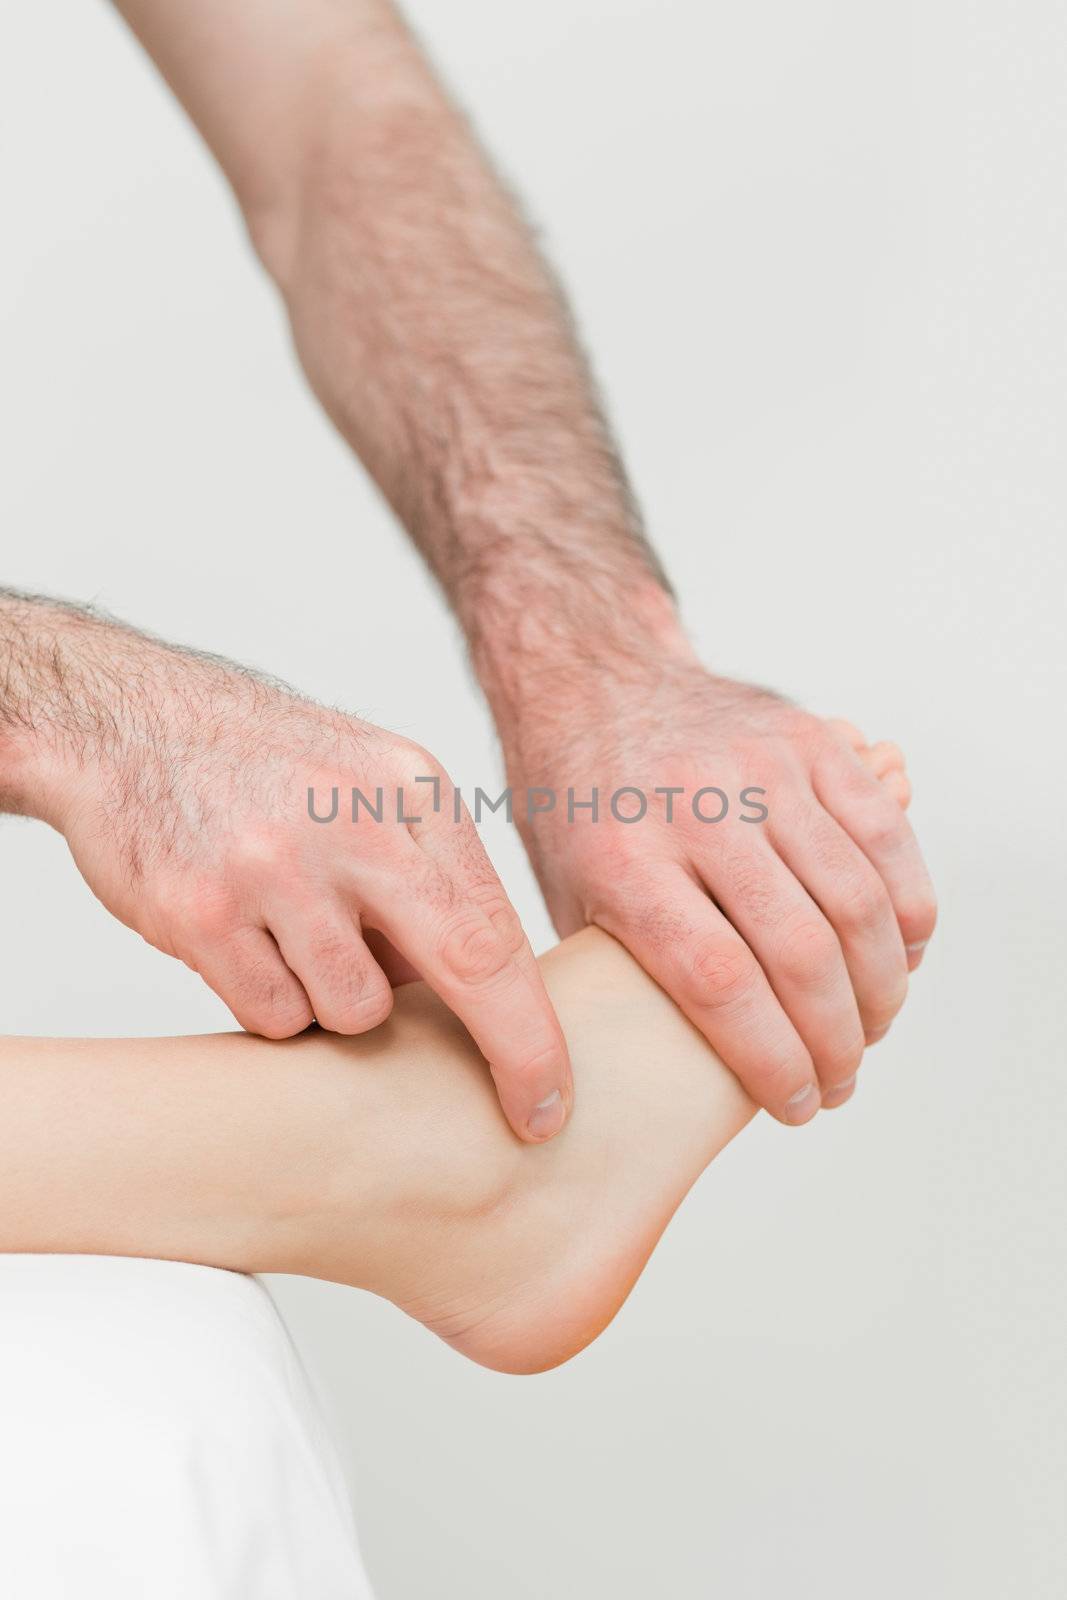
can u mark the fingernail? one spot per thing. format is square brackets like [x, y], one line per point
[914, 953]
[546, 1117]
[914, 949]
[839, 1093]
[803, 1105]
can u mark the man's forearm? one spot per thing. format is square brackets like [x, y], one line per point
[429, 325]
[437, 339]
[79, 690]
[66, 674]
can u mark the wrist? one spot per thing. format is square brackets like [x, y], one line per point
[88, 702]
[38, 774]
[568, 638]
[54, 676]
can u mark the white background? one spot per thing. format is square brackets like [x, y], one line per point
[818, 252]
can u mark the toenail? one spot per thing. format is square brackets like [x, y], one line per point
[803, 1105]
[546, 1117]
[839, 1092]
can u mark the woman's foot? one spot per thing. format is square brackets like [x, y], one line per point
[520, 1255]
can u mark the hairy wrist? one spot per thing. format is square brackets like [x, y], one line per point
[543, 633]
[50, 700]
[83, 696]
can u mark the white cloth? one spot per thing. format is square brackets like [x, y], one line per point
[159, 1439]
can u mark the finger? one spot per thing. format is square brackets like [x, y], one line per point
[395, 966]
[455, 923]
[839, 1096]
[856, 904]
[799, 950]
[874, 820]
[324, 946]
[247, 971]
[680, 937]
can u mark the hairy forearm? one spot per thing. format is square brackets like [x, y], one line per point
[428, 322]
[73, 686]
[436, 337]
[81, 690]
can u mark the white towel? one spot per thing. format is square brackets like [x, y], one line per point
[159, 1439]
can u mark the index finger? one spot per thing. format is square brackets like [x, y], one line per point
[453, 920]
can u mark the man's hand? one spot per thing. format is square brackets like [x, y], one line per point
[182, 786]
[786, 941]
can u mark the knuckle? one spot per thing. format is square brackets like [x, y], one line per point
[363, 1012]
[887, 829]
[434, 890]
[848, 774]
[863, 904]
[779, 1076]
[505, 921]
[271, 1007]
[411, 761]
[260, 851]
[334, 958]
[751, 885]
[651, 921]
[470, 951]
[808, 954]
[539, 1062]
[720, 972]
[351, 995]
[206, 914]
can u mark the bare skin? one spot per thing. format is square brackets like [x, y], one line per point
[384, 1161]
[324, 1156]
[438, 342]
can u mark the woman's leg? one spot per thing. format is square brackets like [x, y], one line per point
[381, 1161]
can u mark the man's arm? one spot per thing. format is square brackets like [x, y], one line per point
[439, 344]
[428, 323]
